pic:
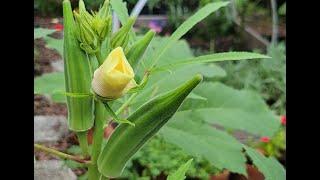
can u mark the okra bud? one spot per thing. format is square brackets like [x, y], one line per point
[77, 76]
[126, 140]
[114, 77]
[137, 50]
[104, 10]
[121, 38]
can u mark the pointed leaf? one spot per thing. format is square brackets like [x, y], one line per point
[180, 173]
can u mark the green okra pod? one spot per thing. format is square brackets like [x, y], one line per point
[77, 76]
[126, 140]
[137, 50]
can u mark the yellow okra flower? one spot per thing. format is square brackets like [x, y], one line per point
[114, 77]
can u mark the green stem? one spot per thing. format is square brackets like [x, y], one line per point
[93, 172]
[99, 58]
[103, 178]
[82, 137]
[60, 154]
[126, 104]
[100, 118]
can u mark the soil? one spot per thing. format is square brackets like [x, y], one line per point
[42, 55]
[42, 106]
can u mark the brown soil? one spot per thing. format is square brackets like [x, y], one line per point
[42, 106]
[42, 55]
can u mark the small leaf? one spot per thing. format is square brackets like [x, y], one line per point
[180, 173]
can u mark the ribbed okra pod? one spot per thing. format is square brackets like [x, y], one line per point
[126, 140]
[77, 76]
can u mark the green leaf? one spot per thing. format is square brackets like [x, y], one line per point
[201, 140]
[180, 173]
[42, 32]
[56, 44]
[227, 56]
[270, 167]
[233, 109]
[120, 7]
[186, 26]
[51, 84]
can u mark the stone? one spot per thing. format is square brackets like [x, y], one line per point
[49, 128]
[53, 170]
[57, 66]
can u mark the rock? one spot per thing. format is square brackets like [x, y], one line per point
[53, 170]
[57, 65]
[49, 128]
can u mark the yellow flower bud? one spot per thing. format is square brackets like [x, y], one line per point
[114, 77]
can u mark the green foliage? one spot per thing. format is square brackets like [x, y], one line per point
[180, 173]
[282, 9]
[120, 8]
[56, 44]
[158, 156]
[51, 84]
[202, 140]
[270, 167]
[185, 27]
[267, 76]
[51, 43]
[275, 145]
[42, 32]
[48, 7]
[228, 56]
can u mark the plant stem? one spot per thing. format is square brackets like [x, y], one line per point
[100, 117]
[103, 178]
[126, 104]
[60, 154]
[82, 137]
[93, 172]
[99, 58]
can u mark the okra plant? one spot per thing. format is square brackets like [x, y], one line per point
[102, 67]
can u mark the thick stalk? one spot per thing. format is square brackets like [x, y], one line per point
[60, 154]
[93, 172]
[83, 142]
[100, 118]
